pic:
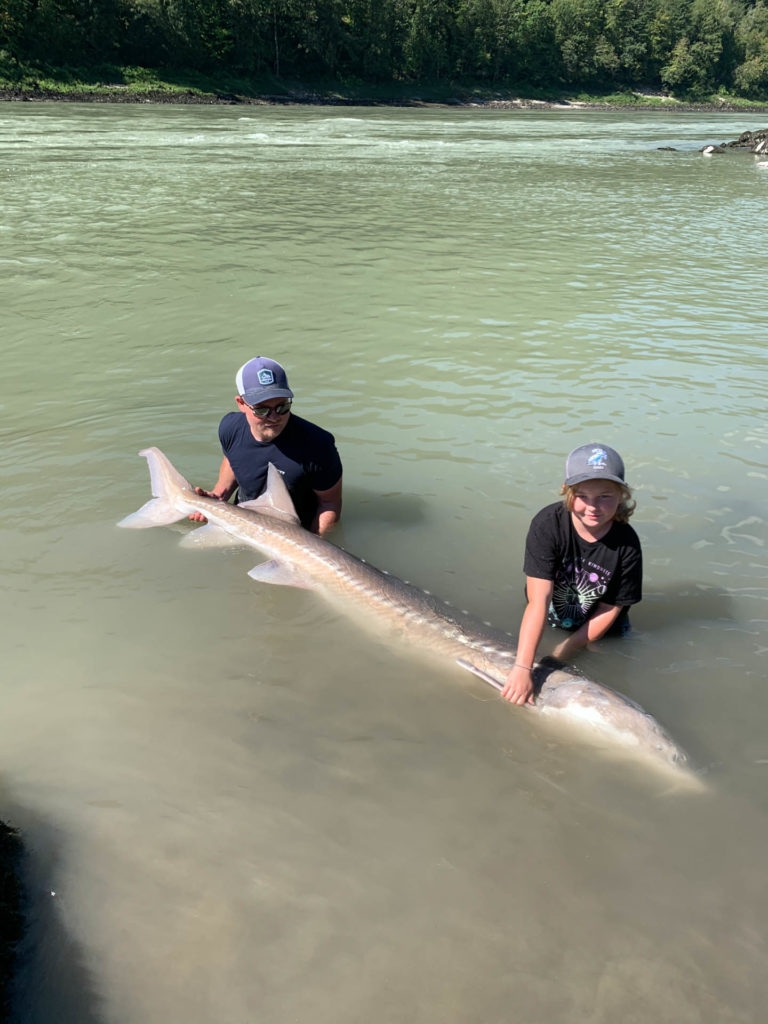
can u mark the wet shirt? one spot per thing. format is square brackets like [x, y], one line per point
[304, 453]
[583, 572]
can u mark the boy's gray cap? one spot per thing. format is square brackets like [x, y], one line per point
[260, 379]
[593, 462]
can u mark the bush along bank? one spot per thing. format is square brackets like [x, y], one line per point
[113, 84]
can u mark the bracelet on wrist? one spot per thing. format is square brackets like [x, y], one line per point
[519, 665]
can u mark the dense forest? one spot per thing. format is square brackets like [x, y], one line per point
[686, 47]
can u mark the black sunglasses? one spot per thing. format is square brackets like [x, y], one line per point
[264, 411]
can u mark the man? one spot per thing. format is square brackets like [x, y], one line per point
[265, 430]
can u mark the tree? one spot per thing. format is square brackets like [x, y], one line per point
[198, 31]
[751, 75]
[628, 30]
[55, 31]
[428, 41]
[539, 58]
[579, 24]
[708, 54]
[374, 40]
[13, 18]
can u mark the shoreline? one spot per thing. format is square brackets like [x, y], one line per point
[117, 94]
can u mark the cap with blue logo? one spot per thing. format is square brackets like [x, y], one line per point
[593, 462]
[260, 379]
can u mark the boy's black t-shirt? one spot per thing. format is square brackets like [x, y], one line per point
[304, 453]
[583, 572]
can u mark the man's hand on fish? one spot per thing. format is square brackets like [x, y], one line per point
[198, 517]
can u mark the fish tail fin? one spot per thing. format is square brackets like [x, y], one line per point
[166, 482]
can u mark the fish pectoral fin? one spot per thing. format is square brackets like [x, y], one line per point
[156, 512]
[209, 536]
[277, 572]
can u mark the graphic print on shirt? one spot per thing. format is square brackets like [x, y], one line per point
[576, 590]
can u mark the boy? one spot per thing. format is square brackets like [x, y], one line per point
[583, 563]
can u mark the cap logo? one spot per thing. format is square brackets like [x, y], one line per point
[598, 459]
[266, 377]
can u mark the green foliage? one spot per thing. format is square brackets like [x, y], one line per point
[427, 42]
[689, 46]
[13, 18]
[539, 55]
[751, 76]
[706, 57]
[374, 39]
[628, 29]
[578, 26]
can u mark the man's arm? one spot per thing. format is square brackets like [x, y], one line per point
[328, 509]
[597, 625]
[223, 489]
[519, 685]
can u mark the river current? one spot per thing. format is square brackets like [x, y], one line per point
[237, 807]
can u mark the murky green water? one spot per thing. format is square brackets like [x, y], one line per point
[248, 811]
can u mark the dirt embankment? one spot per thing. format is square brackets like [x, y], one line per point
[124, 94]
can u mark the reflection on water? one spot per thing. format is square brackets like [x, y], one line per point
[247, 809]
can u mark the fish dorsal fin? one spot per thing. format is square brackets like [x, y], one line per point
[274, 500]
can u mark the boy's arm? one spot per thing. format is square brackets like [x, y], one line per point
[519, 685]
[597, 625]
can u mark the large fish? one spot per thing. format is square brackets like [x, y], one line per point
[299, 558]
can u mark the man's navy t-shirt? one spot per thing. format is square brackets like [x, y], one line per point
[304, 453]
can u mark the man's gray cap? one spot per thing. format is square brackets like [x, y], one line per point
[260, 379]
[593, 462]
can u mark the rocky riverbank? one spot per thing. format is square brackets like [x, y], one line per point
[119, 93]
[756, 142]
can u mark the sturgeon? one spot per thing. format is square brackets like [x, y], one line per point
[299, 558]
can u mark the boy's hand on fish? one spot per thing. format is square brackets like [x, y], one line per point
[519, 686]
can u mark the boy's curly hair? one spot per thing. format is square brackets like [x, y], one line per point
[626, 507]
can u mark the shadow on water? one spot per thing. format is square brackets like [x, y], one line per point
[394, 508]
[10, 909]
[50, 980]
[680, 602]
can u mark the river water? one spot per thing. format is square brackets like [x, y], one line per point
[239, 809]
